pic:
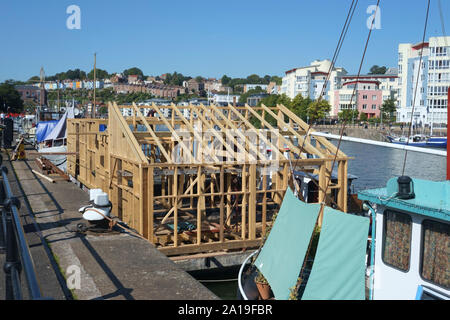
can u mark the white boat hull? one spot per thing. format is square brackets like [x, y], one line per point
[57, 159]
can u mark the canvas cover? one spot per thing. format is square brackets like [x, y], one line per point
[284, 251]
[338, 272]
[43, 128]
[59, 131]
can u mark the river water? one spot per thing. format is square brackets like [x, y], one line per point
[374, 166]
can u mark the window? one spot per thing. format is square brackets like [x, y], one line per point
[374, 97]
[397, 240]
[364, 106]
[435, 264]
[364, 97]
[374, 107]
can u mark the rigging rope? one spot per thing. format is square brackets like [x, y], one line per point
[322, 204]
[415, 90]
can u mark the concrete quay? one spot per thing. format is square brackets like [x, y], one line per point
[114, 266]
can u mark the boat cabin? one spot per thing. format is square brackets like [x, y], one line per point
[412, 239]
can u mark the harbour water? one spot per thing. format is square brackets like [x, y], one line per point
[373, 165]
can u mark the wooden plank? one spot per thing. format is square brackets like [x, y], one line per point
[307, 146]
[214, 246]
[152, 133]
[175, 134]
[252, 203]
[244, 203]
[221, 205]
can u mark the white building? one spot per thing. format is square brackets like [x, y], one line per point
[224, 99]
[309, 81]
[432, 78]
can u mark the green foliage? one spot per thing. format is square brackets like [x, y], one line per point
[374, 120]
[225, 80]
[348, 115]
[103, 110]
[300, 106]
[237, 83]
[102, 96]
[377, 70]
[33, 79]
[318, 109]
[76, 74]
[99, 74]
[175, 79]
[388, 109]
[363, 116]
[10, 97]
[133, 71]
[243, 97]
[261, 279]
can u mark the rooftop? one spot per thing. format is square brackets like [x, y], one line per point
[432, 198]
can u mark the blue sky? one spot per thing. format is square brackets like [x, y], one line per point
[199, 37]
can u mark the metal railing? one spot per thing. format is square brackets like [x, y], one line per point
[12, 241]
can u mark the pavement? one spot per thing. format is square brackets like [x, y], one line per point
[95, 267]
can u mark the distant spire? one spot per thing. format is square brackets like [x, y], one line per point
[42, 77]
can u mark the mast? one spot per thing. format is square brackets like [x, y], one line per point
[95, 78]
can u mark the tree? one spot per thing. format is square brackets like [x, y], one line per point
[363, 116]
[99, 74]
[133, 71]
[10, 98]
[377, 70]
[299, 106]
[253, 79]
[243, 97]
[348, 115]
[389, 107]
[318, 109]
[277, 80]
[225, 80]
[34, 79]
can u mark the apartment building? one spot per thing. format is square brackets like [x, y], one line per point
[424, 79]
[309, 81]
[368, 91]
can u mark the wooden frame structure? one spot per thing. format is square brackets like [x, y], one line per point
[199, 178]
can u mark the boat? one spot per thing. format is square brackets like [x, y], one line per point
[404, 257]
[420, 140]
[52, 139]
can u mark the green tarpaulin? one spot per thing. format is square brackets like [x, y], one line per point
[282, 255]
[338, 272]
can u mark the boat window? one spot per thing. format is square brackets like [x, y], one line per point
[397, 239]
[58, 143]
[435, 264]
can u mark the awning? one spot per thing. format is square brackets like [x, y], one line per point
[282, 255]
[338, 272]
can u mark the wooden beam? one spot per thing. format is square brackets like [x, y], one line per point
[152, 133]
[175, 134]
[307, 146]
[213, 246]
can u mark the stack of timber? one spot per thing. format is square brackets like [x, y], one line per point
[47, 168]
[201, 178]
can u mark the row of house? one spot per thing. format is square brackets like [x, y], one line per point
[421, 80]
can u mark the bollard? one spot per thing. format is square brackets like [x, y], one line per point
[12, 266]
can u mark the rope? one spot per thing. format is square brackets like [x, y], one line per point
[114, 223]
[415, 90]
[322, 204]
[335, 56]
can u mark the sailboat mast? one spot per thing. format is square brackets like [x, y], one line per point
[95, 80]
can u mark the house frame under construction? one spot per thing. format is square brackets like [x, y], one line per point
[200, 178]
